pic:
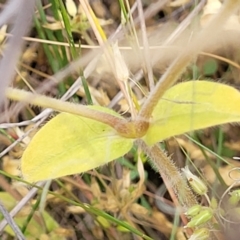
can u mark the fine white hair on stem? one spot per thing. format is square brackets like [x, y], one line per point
[22, 11]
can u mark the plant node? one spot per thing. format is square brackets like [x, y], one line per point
[132, 129]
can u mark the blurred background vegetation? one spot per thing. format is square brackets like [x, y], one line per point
[123, 202]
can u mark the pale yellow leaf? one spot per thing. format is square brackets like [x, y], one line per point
[70, 144]
[193, 105]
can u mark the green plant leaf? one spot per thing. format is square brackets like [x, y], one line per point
[210, 67]
[193, 105]
[70, 144]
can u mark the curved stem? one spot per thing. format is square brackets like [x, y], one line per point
[181, 62]
[122, 126]
[61, 106]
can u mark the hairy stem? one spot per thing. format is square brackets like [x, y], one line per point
[170, 174]
[61, 106]
[122, 126]
[205, 37]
